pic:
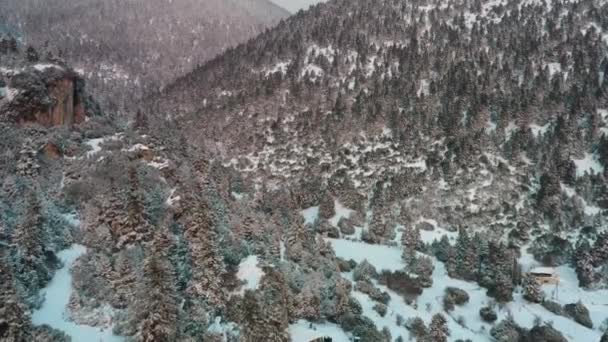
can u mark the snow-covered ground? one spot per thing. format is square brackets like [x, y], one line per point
[310, 214]
[95, 144]
[589, 164]
[250, 273]
[341, 211]
[295, 5]
[304, 331]
[56, 299]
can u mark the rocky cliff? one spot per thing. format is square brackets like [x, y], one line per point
[45, 94]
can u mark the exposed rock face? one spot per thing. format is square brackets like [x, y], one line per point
[48, 95]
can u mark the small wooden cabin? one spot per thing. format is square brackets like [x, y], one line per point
[544, 275]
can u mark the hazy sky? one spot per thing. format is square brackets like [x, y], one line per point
[294, 5]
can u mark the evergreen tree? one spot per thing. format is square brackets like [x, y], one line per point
[14, 319]
[207, 264]
[135, 226]
[157, 304]
[410, 241]
[532, 290]
[29, 235]
[438, 329]
[466, 259]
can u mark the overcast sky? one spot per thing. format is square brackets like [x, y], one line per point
[294, 5]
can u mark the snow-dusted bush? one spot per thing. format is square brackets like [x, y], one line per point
[416, 326]
[380, 309]
[364, 271]
[402, 283]
[488, 314]
[454, 296]
[579, 313]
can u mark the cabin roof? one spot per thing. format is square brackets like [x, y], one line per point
[543, 270]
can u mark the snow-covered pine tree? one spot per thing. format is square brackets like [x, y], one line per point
[532, 290]
[207, 264]
[326, 207]
[410, 241]
[298, 241]
[156, 307]
[13, 314]
[135, 227]
[466, 258]
[438, 329]
[583, 262]
[600, 249]
[29, 235]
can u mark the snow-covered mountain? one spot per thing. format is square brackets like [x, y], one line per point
[125, 48]
[294, 6]
[367, 170]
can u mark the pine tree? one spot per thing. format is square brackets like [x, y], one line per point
[326, 207]
[135, 226]
[466, 258]
[14, 319]
[156, 308]
[28, 239]
[583, 260]
[600, 249]
[140, 121]
[442, 249]
[410, 241]
[438, 329]
[532, 290]
[253, 319]
[298, 241]
[207, 264]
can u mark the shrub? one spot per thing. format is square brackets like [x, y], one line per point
[579, 313]
[545, 333]
[416, 326]
[553, 307]
[343, 265]
[488, 314]
[364, 271]
[373, 292]
[402, 283]
[380, 309]
[454, 296]
[508, 331]
[361, 327]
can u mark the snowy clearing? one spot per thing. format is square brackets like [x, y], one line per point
[250, 273]
[56, 300]
[304, 331]
[310, 215]
[589, 164]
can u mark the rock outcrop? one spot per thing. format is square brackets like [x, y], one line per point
[44, 94]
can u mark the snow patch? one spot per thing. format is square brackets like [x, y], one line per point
[45, 66]
[382, 257]
[589, 164]
[310, 215]
[250, 273]
[304, 331]
[56, 300]
[341, 211]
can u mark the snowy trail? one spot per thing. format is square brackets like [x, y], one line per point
[57, 296]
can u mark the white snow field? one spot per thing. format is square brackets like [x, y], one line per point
[250, 273]
[589, 164]
[310, 215]
[56, 299]
[304, 331]
[295, 5]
